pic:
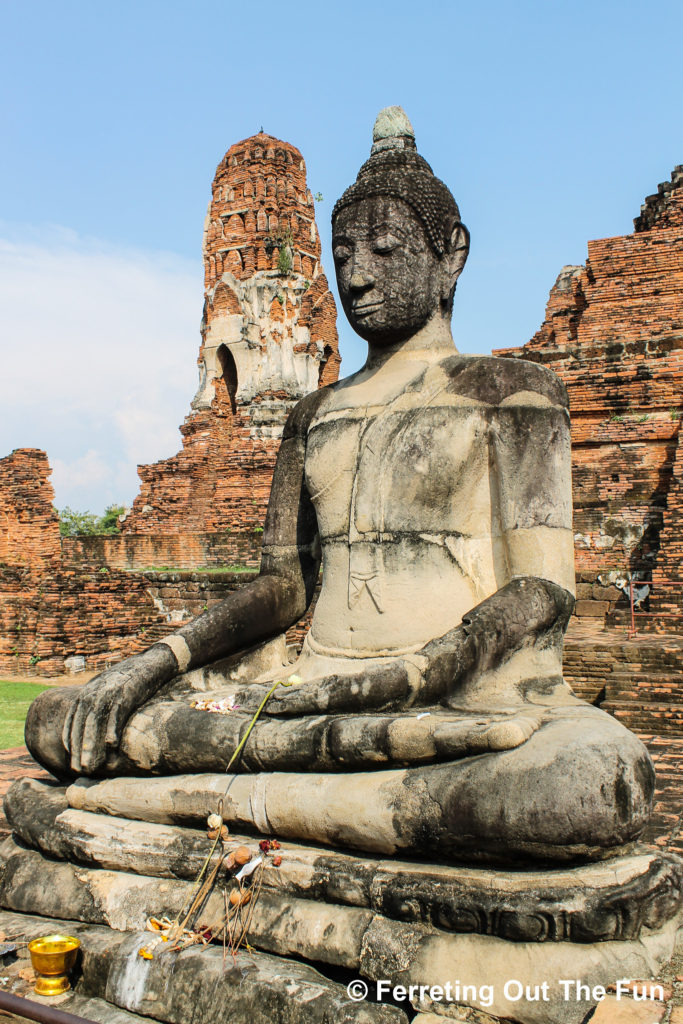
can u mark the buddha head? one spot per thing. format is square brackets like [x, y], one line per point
[398, 242]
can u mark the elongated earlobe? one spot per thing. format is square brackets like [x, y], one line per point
[454, 260]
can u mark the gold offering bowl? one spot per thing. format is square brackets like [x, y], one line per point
[53, 957]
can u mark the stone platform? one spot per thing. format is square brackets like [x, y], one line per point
[412, 923]
[295, 880]
[664, 831]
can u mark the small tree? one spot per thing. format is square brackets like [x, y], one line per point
[109, 523]
[87, 524]
[283, 241]
[284, 260]
[76, 524]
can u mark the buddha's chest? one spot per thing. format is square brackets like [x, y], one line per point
[406, 468]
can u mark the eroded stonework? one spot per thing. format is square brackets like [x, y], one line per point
[268, 338]
[474, 812]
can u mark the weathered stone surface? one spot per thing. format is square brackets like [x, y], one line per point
[615, 898]
[611, 1010]
[386, 810]
[84, 1007]
[30, 532]
[51, 609]
[99, 1010]
[429, 474]
[639, 680]
[198, 984]
[667, 601]
[375, 946]
[268, 338]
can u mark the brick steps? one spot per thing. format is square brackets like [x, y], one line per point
[638, 681]
[664, 616]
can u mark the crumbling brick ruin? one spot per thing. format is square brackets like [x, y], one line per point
[51, 609]
[667, 601]
[268, 338]
[613, 332]
[63, 608]
[29, 525]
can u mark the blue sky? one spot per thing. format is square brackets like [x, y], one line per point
[550, 122]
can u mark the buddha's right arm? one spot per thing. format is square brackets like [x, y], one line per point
[279, 596]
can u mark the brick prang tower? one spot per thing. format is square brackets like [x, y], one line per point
[268, 338]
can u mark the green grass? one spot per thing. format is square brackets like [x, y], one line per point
[14, 701]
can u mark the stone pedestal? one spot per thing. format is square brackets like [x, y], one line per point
[509, 944]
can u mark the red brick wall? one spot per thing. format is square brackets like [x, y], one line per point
[165, 551]
[73, 600]
[667, 602]
[206, 505]
[58, 613]
[51, 609]
[614, 333]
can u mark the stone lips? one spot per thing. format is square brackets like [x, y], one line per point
[614, 334]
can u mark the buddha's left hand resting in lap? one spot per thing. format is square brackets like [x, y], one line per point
[435, 487]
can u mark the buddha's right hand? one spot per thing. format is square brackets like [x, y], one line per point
[92, 729]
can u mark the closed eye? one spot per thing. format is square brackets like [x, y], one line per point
[386, 243]
[341, 253]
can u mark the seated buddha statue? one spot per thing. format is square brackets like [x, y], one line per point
[428, 713]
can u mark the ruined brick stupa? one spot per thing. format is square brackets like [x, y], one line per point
[268, 338]
[613, 332]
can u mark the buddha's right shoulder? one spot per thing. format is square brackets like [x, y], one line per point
[304, 412]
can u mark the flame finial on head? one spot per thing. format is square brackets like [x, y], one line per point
[392, 130]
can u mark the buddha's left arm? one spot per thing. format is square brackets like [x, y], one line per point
[531, 491]
[530, 486]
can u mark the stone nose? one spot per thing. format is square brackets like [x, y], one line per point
[361, 277]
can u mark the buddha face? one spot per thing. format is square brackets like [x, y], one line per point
[391, 281]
